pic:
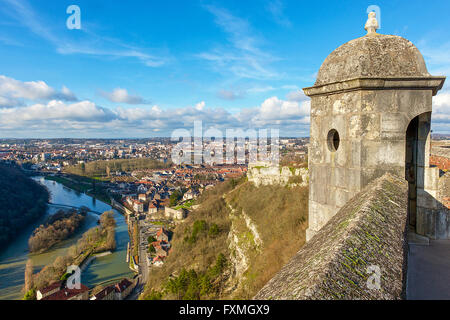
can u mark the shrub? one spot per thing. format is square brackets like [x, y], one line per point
[213, 230]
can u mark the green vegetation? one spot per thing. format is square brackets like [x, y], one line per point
[103, 168]
[151, 249]
[280, 215]
[95, 240]
[187, 205]
[205, 177]
[30, 295]
[22, 201]
[199, 227]
[192, 285]
[209, 226]
[213, 230]
[175, 197]
[201, 263]
[57, 228]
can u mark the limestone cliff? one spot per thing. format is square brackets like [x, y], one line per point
[264, 175]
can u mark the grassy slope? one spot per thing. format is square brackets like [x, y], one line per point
[280, 216]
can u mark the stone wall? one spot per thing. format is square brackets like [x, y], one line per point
[433, 218]
[265, 174]
[369, 232]
[371, 127]
[174, 214]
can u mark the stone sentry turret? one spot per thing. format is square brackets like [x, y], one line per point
[370, 114]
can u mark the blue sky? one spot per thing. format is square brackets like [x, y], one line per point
[145, 68]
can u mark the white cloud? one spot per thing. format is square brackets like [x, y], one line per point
[441, 109]
[120, 95]
[276, 110]
[200, 106]
[276, 10]
[437, 57]
[296, 95]
[242, 55]
[58, 118]
[89, 43]
[230, 94]
[52, 115]
[12, 92]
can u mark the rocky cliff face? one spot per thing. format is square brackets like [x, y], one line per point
[243, 242]
[264, 175]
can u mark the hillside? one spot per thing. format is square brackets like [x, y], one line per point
[22, 200]
[230, 246]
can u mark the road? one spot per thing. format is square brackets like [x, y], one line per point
[143, 270]
[138, 289]
[143, 264]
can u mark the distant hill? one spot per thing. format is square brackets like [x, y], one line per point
[22, 200]
[238, 239]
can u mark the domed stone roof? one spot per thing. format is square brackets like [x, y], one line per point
[373, 56]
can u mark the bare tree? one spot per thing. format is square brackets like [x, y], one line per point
[29, 275]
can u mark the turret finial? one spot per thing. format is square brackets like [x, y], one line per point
[372, 23]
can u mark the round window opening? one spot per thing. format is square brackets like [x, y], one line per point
[333, 140]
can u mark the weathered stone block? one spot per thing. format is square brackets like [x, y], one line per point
[427, 199]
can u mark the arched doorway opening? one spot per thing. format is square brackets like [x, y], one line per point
[416, 160]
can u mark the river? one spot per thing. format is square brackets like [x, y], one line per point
[101, 270]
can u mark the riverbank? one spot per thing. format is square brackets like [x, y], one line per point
[22, 203]
[83, 185]
[95, 241]
[103, 269]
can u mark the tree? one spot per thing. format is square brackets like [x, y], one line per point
[29, 275]
[176, 196]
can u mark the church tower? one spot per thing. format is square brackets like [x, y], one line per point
[370, 114]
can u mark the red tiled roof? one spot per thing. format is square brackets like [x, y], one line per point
[66, 294]
[105, 292]
[158, 258]
[51, 287]
[122, 285]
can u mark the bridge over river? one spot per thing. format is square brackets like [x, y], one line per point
[65, 206]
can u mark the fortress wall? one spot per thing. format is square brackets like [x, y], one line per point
[368, 232]
[274, 175]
